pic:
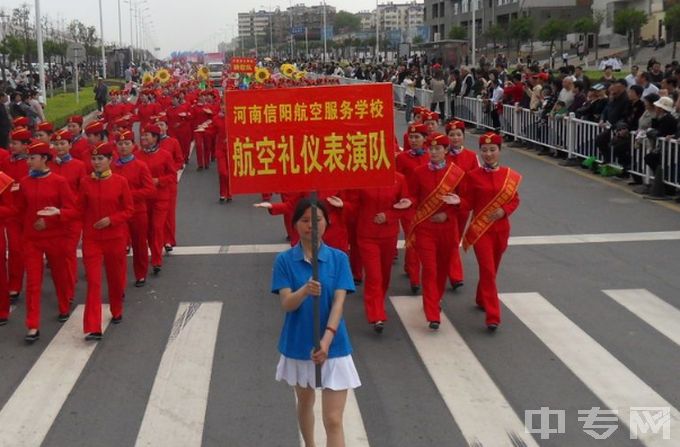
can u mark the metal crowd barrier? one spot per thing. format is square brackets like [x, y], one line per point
[567, 134]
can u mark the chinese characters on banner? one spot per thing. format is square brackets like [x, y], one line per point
[310, 138]
[245, 65]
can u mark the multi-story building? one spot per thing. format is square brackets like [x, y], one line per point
[653, 8]
[442, 15]
[401, 20]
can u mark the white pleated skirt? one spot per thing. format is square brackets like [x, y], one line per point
[336, 373]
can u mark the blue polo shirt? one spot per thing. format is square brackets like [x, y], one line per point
[292, 271]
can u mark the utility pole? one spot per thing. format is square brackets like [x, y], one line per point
[41, 55]
[101, 36]
[377, 30]
[474, 33]
[325, 49]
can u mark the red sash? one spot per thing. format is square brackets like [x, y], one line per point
[482, 221]
[433, 202]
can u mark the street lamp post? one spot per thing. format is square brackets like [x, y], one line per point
[377, 30]
[41, 56]
[325, 49]
[120, 28]
[101, 36]
[474, 33]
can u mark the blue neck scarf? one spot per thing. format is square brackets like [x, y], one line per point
[125, 160]
[34, 173]
[151, 150]
[17, 157]
[65, 159]
[436, 166]
[417, 152]
[493, 167]
[455, 150]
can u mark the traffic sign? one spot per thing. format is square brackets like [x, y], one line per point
[75, 52]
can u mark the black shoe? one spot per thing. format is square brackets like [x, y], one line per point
[32, 338]
[3, 321]
[200, 168]
[63, 318]
[434, 325]
[492, 327]
[117, 320]
[140, 282]
[357, 282]
[94, 336]
[222, 199]
[156, 269]
[168, 248]
[379, 327]
[14, 297]
[457, 285]
[415, 289]
[229, 199]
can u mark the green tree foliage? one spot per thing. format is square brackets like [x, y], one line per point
[346, 22]
[458, 33]
[553, 30]
[522, 30]
[629, 21]
[672, 22]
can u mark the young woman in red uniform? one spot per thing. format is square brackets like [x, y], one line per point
[172, 146]
[105, 204]
[73, 171]
[406, 164]
[17, 168]
[465, 159]
[378, 211]
[95, 134]
[434, 228]
[46, 205]
[6, 210]
[491, 193]
[163, 175]
[79, 144]
[142, 189]
[222, 156]
[417, 119]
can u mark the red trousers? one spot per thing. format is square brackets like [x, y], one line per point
[377, 255]
[171, 220]
[456, 271]
[139, 234]
[111, 254]
[355, 260]
[72, 239]
[411, 261]
[489, 250]
[224, 187]
[434, 247]
[15, 258]
[4, 289]
[204, 147]
[184, 138]
[158, 213]
[55, 250]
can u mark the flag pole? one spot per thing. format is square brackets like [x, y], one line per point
[315, 276]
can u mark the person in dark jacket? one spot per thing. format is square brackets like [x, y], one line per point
[637, 106]
[618, 109]
[5, 121]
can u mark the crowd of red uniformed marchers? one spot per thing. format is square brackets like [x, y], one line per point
[92, 183]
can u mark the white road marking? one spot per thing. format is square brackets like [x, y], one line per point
[470, 394]
[355, 432]
[28, 415]
[651, 309]
[239, 249]
[175, 412]
[609, 379]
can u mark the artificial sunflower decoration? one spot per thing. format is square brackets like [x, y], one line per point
[299, 75]
[147, 78]
[203, 72]
[163, 75]
[287, 70]
[261, 74]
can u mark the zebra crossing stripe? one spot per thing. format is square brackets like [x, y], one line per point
[467, 389]
[651, 309]
[29, 413]
[175, 412]
[353, 424]
[609, 379]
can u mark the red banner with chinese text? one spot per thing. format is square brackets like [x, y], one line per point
[310, 138]
[245, 65]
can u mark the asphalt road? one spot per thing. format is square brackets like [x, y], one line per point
[401, 403]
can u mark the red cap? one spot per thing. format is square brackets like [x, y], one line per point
[103, 148]
[161, 117]
[21, 134]
[438, 139]
[122, 122]
[418, 128]
[491, 138]
[77, 119]
[542, 75]
[419, 110]
[94, 127]
[455, 125]
[62, 135]
[46, 126]
[126, 135]
[20, 121]
[153, 128]
[434, 116]
[39, 148]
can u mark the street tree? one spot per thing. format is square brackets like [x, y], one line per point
[629, 22]
[346, 22]
[458, 33]
[553, 30]
[522, 30]
[672, 22]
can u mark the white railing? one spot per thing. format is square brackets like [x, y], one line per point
[567, 134]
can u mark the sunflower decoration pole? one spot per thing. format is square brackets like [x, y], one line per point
[261, 75]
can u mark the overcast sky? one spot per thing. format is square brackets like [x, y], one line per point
[178, 25]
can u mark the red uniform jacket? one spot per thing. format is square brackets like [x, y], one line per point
[37, 193]
[172, 146]
[407, 164]
[372, 201]
[426, 181]
[139, 180]
[80, 148]
[161, 166]
[73, 171]
[110, 198]
[465, 160]
[112, 112]
[17, 169]
[479, 187]
[146, 111]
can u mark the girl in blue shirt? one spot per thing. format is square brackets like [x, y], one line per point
[292, 281]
